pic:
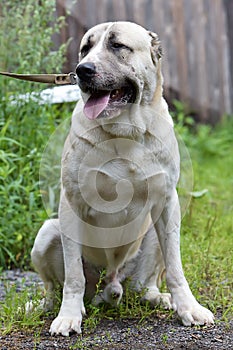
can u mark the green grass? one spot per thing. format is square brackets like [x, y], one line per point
[24, 127]
[23, 137]
[206, 235]
[13, 315]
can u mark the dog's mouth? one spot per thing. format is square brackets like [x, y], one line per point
[108, 103]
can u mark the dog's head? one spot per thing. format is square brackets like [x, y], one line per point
[118, 66]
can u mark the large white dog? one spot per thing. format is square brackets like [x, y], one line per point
[119, 208]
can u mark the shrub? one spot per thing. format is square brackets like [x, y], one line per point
[26, 47]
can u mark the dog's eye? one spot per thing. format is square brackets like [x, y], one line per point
[119, 46]
[85, 49]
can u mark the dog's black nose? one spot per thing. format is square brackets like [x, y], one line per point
[85, 71]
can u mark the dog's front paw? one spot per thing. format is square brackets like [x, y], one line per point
[64, 325]
[192, 313]
[69, 318]
[196, 315]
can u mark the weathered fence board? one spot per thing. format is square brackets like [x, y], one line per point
[197, 41]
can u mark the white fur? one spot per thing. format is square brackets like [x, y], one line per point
[138, 150]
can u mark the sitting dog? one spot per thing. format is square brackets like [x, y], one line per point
[119, 208]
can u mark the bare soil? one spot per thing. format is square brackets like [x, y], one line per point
[161, 332]
[128, 334]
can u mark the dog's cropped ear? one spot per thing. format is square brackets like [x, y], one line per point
[156, 49]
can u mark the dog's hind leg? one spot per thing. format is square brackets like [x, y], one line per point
[148, 271]
[112, 293]
[47, 258]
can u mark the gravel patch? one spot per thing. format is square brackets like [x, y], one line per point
[158, 333]
[19, 279]
[128, 334]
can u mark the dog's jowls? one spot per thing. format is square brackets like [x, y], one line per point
[119, 208]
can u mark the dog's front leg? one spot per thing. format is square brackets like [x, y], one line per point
[183, 301]
[72, 307]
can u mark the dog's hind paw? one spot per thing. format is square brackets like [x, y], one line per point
[42, 305]
[65, 325]
[157, 298]
[112, 293]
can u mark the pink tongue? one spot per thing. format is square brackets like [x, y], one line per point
[95, 105]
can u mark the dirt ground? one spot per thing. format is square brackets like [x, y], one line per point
[158, 333]
[128, 334]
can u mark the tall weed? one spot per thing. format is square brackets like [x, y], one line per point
[26, 47]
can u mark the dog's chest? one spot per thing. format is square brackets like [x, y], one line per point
[116, 177]
[110, 174]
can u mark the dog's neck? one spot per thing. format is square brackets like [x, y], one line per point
[134, 123]
[130, 124]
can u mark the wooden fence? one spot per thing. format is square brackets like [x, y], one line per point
[197, 41]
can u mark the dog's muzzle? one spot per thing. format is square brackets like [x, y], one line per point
[103, 101]
[86, 71]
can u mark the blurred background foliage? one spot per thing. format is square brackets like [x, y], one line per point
[25, 126]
